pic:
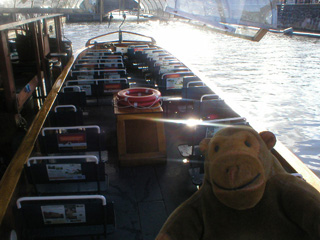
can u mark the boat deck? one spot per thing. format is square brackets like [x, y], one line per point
[144, 191]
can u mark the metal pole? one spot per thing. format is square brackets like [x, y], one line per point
[7, 74]
[57, 24]
[42, 56]
[101, 10]
[138, 11]
[34, 32]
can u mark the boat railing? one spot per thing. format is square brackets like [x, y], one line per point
[120, 37]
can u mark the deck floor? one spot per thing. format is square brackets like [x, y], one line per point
[143, 196]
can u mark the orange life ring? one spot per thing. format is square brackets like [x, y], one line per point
[138, 97]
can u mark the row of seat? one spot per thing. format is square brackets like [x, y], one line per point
[185, 96]
[97, 88]
[69, 176]
[69, 186]
[99, 64]
[164, 70]
[50, 217]
[98, 73]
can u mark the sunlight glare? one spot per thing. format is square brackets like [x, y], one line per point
[181, 44]
[193, 122]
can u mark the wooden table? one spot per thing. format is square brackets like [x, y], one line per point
[141, 136]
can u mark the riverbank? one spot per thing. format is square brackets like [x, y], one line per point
[301, 17]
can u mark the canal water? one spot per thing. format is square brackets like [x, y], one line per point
[274, 83]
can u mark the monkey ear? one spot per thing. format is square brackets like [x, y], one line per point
[269, 138]
[203, 145]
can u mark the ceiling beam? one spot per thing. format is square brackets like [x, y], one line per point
[42, 10]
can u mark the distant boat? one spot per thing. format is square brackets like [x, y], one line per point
[290, 32]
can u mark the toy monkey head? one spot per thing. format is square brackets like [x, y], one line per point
[238, 164]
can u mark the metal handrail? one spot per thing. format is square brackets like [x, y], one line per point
[65, 106]
[195, 82]
[93, 157]
[95, 80]
[100, 70]
[50, 198]
[99, 65]
[178, 73]
[71, 87]
[106, 57]
[69, 128]
[210, 95]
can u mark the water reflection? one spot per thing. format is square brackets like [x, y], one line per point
[275, 81]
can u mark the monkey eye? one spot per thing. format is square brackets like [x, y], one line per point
[216, 148]
[247, 143]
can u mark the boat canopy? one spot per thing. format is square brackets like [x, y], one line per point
[226, 13]
[218, 13]
[244, 18]
[248, 19]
